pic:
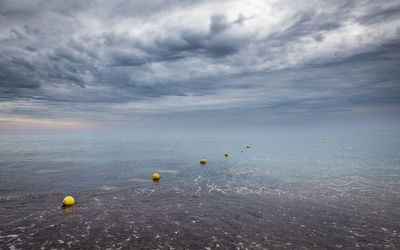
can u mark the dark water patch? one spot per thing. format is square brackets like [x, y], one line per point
[136, 218]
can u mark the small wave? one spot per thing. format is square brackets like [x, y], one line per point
[109, 188]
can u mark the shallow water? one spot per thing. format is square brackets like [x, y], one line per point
[289, 190]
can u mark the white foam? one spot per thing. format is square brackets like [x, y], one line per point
[169, 171]
[139, 180]
[109, 188]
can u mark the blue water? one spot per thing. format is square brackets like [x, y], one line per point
[353, 169]
[54, 161]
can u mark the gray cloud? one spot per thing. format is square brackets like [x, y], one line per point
[105, 61]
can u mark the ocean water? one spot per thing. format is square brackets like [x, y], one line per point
[290, 189]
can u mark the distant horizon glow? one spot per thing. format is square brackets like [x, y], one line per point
[29, 123]
[128, 64]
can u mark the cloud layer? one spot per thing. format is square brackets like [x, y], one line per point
[106, 61]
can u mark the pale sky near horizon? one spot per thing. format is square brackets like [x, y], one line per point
[91, 64]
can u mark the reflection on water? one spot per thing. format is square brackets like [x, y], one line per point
[285, 191]
[67, 208]
[156, 182]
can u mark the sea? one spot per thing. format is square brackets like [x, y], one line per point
[277, 189]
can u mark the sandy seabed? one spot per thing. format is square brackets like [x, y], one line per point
[202, 218]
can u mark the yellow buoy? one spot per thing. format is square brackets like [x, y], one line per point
[226, 154]
[203, 161]
[156, 176]
[248, 146]
[68, 201]
[322, 138]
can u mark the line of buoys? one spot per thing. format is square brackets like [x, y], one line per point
[69, 201]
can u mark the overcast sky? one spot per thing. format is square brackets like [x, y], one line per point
[187, 63]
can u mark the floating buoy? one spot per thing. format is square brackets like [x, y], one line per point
[322, 138]
[68, 201]
[203, 161]
[241, 150]
[248, 146]
[156, 176]
[226, 154]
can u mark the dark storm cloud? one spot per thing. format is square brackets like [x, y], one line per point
[380, 15]
[107, 60]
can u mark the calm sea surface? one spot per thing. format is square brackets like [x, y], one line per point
[290, 189]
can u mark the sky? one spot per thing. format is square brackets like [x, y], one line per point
[112, 64]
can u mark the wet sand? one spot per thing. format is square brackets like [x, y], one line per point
[203, 218]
